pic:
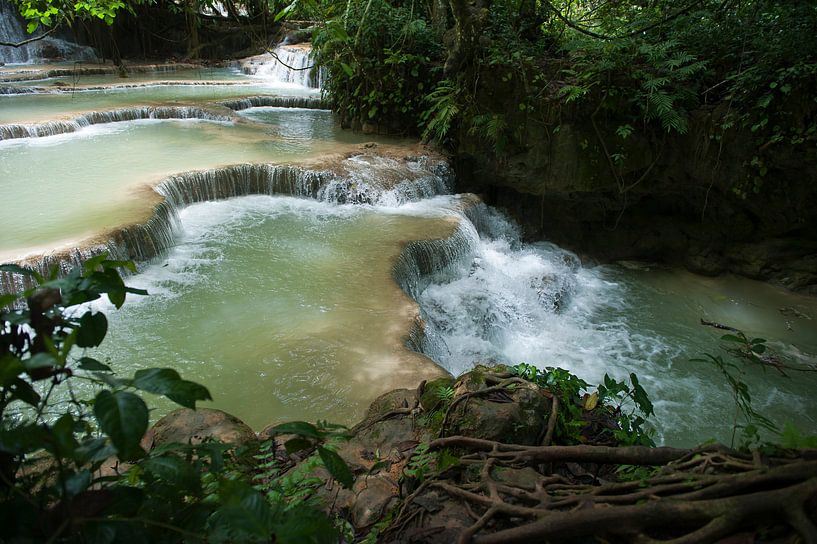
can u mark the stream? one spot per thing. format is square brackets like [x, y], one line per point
[287, 257]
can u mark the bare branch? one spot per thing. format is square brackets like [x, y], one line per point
[30, 40]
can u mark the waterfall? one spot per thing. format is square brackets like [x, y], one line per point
[288, 64]
[38, 74]
[486, 296]
[12, 30]
[52, 128]
[145, 241]
[306, 102]
[116, 86]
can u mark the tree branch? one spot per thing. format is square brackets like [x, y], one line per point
[30, 40]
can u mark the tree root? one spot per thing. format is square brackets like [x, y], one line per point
[502, 382]
[700, 495]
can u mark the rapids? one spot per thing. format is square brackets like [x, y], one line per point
[298, 273]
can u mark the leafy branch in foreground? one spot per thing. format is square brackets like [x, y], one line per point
[747, 419]
[627, 406]
[72, 468]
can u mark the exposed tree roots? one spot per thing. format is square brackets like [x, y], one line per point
[679, 496]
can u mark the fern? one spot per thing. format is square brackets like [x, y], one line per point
[444, 109]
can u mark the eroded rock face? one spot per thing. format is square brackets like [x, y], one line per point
[194, 426]
[696, 206]
[515, 415]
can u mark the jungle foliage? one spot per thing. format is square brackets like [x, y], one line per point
[72, 467]
[490, 68]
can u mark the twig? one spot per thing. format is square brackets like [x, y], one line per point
[30, 40]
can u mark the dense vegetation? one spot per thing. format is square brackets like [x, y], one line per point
[647, 64]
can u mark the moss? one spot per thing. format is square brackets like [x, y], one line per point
[430, 399]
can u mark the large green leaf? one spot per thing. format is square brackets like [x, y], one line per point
[336, 466]
[174, 471]
[305, 526]
[244, 516]
[23, 439]
[300, 428]
[17, 269]
[123, 417]
[90, 364]
[167, 382]
[10, 368]
[92, 329]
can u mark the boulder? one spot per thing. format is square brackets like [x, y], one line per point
[515, 415]
[194, 426]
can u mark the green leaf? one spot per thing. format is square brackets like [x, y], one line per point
[123, 417]
[297, 526]
[300, 428]
[21, 390]
[10, 368]
[40, 360]
[77, 482]
[92, 365]
[347, 69]
[23, 439]
[174, 471]
[245, 515]
[93, 328]
[167, 382]
[337, 467]
[640, 397]
[8, 300]
[295, 445]
[62, 433]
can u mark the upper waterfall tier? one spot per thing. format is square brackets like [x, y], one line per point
[286, 64]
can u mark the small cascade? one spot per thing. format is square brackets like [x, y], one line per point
[367, 174]
[305, 102]
[485, 295]
[12, 30]
[145, 241]
[52, 128]
[287, 64]
[116, 86]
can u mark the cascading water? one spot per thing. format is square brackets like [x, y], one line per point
[53, 128]
[487, 297]
[287, 64]
[12, 31]
[399, 181]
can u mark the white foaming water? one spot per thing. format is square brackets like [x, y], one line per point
[512, 302]
[519, 302]
[288, 66]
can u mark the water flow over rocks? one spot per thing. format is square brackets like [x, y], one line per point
[401, 180]
[286, 64]
[52, 128]
[12, 30]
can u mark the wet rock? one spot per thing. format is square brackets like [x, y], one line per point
[194, 426]
[515, 415]
[374, 496]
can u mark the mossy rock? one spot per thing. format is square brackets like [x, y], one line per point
[185, 426]
[430, 399]
[517, 414]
